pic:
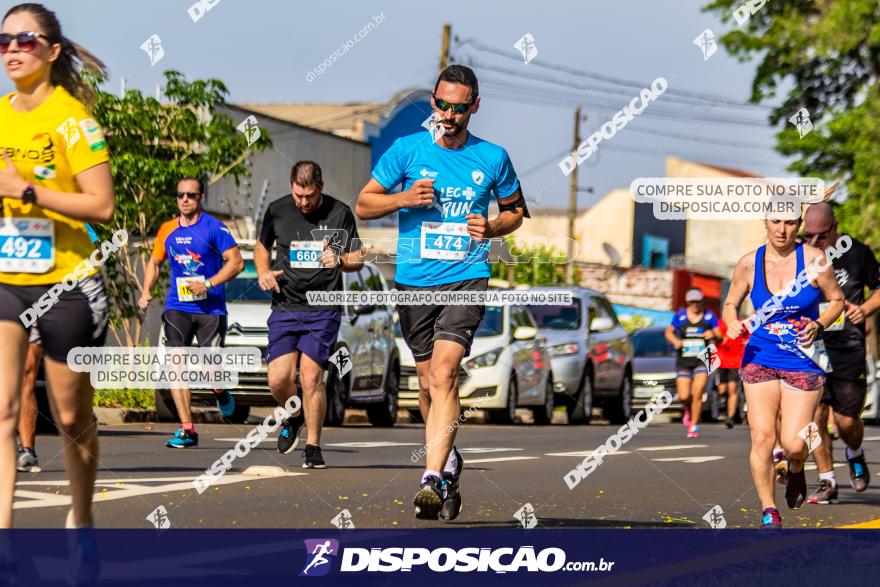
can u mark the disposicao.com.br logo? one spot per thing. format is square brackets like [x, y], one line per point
[321, 553]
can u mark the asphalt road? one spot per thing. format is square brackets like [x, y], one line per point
[659, 479]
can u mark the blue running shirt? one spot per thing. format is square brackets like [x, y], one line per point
[434, 247]
[194, 252]
[774, 344]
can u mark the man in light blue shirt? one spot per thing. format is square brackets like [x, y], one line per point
[447, 185]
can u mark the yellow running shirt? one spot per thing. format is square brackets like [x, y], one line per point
[49, 146]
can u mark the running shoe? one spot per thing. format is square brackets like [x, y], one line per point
[795, 489]
[770, 518]
[686, 419]
[729, 423]
[225, 403]
[184, 438]
[313, 458]
[452, 500]
[826, 493]
[27, 461]
[288, 436]
[83, 564]
[694, 431]
[859, 476]
[781, 467]
[429, 499]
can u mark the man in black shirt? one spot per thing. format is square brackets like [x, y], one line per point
[316, 239]
[846, 384]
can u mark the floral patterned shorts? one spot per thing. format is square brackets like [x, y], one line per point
[805, 381]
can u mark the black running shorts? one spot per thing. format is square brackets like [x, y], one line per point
[422, 325]
[63, 319]
[180, 328]
[846, 388]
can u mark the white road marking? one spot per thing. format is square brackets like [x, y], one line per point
[689, 459]
[123, 489]
[869, 438]
[380, 444]
[673, 447]
[812, 466]
[497, 460]
[480, 450]
[583, 453]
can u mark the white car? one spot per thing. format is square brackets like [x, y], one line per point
[508, 367]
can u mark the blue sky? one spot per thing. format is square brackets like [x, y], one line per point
[263, 49]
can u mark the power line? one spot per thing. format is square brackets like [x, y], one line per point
[713, 98]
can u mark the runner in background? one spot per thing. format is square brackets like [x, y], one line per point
[691, 330]
[730, 352]
[203, 256]
[846, 385]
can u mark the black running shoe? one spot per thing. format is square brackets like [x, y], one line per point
[729, 423]
[313, 458]
[826, 493]
[452, 504]
[795, 489]
[288, 435]
[859, 476]
[429, 499]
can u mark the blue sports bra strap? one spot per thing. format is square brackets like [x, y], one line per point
[800, 260]
[759, 269]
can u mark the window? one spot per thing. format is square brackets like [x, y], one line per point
[558, 317]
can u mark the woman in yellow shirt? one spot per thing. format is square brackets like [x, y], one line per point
[54, 177]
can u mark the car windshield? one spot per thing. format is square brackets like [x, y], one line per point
[558, 317]
[492, 323]
[244, 287]
[651, 344]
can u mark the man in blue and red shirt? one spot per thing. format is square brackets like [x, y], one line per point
[203, 256]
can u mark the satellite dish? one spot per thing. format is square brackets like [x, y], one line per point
[612, 253]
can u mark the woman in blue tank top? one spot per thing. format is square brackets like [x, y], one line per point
[783, 366]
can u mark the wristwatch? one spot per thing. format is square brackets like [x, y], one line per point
[29, 195]
[208, 284]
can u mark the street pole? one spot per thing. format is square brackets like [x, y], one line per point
[444, 46]
[572, 199]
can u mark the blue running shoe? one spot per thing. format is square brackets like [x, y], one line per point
[770, 518]
[184, 438]
[225, 403]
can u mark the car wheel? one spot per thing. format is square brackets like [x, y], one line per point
[507, 415]
[580, 407]
[337, 397]
[544, 414]
[166, 411]
[385, 414]
[619, 410]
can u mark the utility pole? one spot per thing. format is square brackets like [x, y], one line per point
[572, 198]
[444, 46]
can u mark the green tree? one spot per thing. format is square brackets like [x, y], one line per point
[822, 55]
[152, 145]
[532, 266]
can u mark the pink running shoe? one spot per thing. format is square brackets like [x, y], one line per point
[686, 418]
[694, 431]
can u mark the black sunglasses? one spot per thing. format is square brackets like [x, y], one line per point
[190, 195]
[443, 105]
[26, 42]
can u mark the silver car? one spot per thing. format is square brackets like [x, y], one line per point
[591, 355]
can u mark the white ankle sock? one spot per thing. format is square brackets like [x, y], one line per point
[429, 473]
[451, 462]
[851, 454]
[829, 476]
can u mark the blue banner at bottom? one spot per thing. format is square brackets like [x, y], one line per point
[218, 558]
